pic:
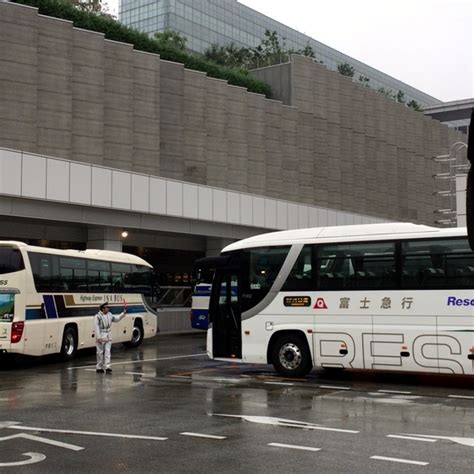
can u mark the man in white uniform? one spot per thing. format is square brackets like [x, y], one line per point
[103, 336]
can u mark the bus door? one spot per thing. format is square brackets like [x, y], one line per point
[226, 315]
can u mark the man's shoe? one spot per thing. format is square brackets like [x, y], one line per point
[100, 371]
[108, 371]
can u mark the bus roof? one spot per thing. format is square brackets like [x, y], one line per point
[346, 233]
[119, 257]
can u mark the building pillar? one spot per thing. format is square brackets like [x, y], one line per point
[214, 246]
[104, 239]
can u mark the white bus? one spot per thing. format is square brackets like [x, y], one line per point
[48, 298]
[384, 296]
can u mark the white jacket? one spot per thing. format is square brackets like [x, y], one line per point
[103, 324]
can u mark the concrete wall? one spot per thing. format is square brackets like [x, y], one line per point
[69, 93]
[368, 152]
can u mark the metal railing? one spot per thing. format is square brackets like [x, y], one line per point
[172, 297]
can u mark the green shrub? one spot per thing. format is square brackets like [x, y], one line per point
[114, 30]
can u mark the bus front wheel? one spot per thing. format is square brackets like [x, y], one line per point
[69, 344]
[291, 356]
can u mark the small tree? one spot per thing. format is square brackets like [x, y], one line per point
[414, 105]
[401, 97]
[95, 6]
[307, 51]
[364, 80]
[230, 55]
[346, 69]
[171, 39]
[389, 94]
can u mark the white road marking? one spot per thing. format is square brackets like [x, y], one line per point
[404, 461]
[201, 435]
[88, 433]
[144, 360]
[269, 420]
[59, 444]
[413, 438]
[280, 383]
[226, 380]
[333, 387]
[455, 439]
[34, 458]
[293, 446]
[467, 397]
[140, 373]
[397, 392]
[7, 424]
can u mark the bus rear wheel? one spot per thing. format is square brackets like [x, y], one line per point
[291, 356]
[69, 344]
[137, 334]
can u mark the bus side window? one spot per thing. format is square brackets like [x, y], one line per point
[301, 275]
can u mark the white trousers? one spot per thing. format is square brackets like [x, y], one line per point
[103, 355]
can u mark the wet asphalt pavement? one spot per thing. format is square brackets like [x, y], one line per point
[168, 408]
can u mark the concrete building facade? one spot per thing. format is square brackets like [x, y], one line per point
[329, 142]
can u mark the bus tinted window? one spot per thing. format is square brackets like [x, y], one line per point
[301, 275]
[10, 260]
[98, 275]
[140, 280]
[46, 274]
[260, 268]
[357, 266]
[445, 263]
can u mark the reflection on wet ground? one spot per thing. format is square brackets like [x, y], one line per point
[168, 388]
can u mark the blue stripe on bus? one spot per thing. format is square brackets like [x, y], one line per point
[38, 313]
[49, 306]
[34, 313]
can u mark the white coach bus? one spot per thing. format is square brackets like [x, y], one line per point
[48, 298]
[382, 296]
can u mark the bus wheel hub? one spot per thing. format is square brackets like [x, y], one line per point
[290, 356]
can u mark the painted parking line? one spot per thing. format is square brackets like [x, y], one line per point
[293, 446]
[396, 392]
[334, 387]
[413, 438]
[280, 383]
[202, 435]
[87, 433]
[52, 442]
[466, 397]
[141, 374]
[188, 356]
[400, 460]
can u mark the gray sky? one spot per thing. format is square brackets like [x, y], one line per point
[428, 44]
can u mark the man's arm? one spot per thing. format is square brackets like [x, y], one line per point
[97, 328]
[117, 317]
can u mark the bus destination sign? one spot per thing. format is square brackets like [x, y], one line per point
[297, 301]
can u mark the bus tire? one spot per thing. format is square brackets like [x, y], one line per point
[69, 344]
[291, 356]
[137, 334]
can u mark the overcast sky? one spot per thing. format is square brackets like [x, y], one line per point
[428, 44]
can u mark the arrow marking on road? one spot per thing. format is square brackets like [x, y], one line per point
[34, 458]
[455, 439]
[270, 420]
[72, 447]
[88, 433]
